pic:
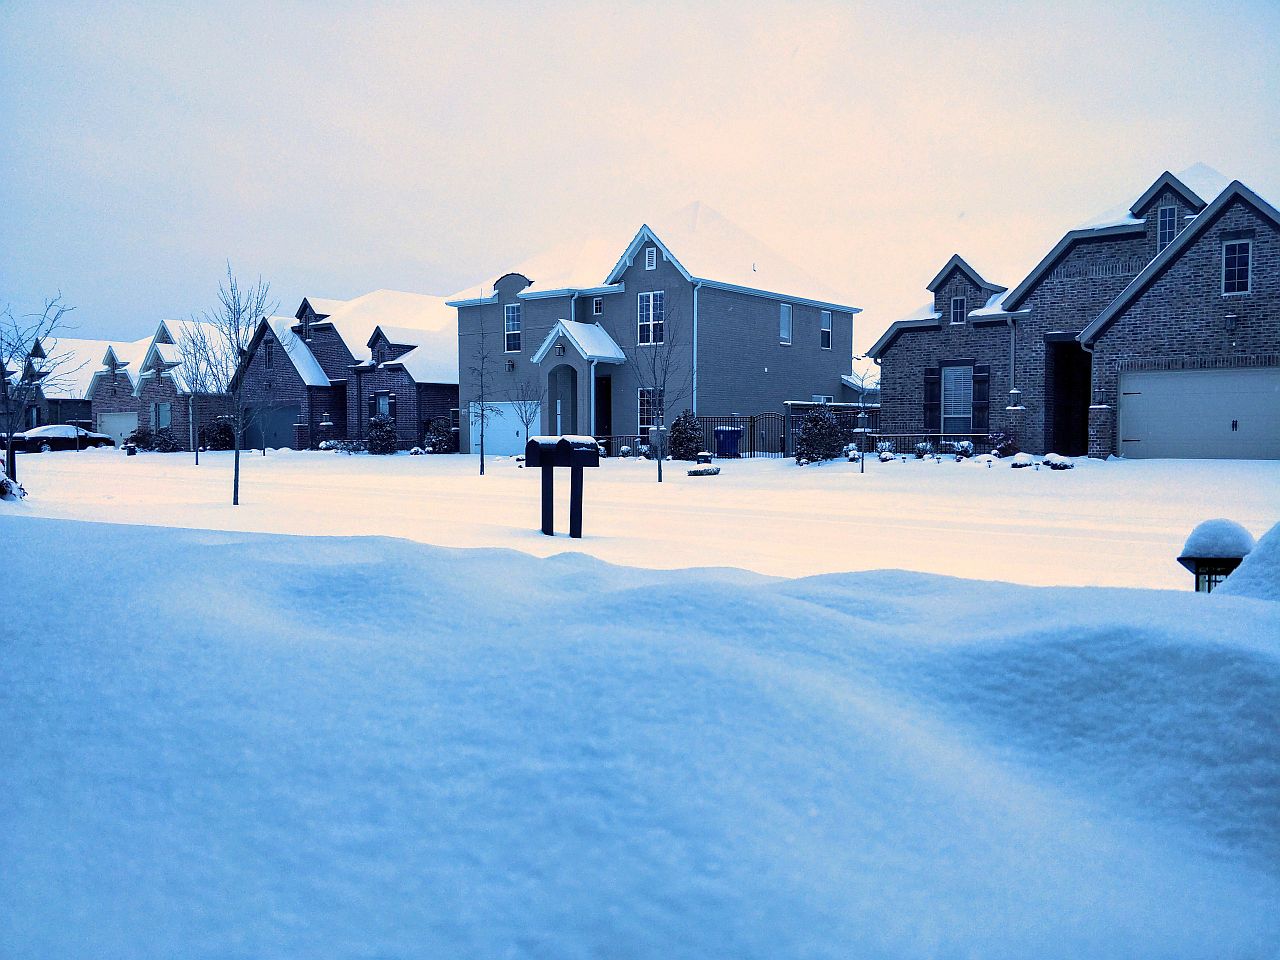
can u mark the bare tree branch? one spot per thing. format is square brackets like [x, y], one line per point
[24, 375]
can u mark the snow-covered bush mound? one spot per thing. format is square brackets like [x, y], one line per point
[1056, 461]
[1022, 460]
[1259, 575]
[1218, 538]
[11, 490]
[221, 744]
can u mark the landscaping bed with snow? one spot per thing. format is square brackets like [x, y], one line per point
[223, 744]
[1119, 523]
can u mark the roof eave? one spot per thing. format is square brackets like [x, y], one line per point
[772, 295]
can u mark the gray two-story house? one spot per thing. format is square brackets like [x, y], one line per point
[693, 314]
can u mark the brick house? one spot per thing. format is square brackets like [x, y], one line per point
[162, 394]
[744, 332]
[325, 371]
[1153, 330]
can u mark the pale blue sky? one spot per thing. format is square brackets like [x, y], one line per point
[337, 149]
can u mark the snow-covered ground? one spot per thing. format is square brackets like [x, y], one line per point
[239, 745]
[1115, 524]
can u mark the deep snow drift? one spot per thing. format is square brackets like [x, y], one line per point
[1258, 575]
[240, 745]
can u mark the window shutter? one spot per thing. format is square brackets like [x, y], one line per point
[981, 398]
[391, 407]
[373, 406]
[933, 400]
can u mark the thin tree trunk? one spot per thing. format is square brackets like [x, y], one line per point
[10, 463]
[235, 475]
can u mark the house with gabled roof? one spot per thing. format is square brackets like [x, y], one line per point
[746, 332]
[1150, 331]
[327, 370]
[155, 392]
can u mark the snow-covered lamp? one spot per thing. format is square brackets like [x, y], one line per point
[1214, 549]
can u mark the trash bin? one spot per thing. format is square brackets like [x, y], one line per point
[727, 440]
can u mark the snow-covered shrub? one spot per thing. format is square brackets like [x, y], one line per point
[924, 449]
[416, 452]
[1056, 461]
[886, 456]
[157, 441]
[706, 471]
[819, 436]
[885, 446]
[10, 489]
[437, 436]
[217, 436]
[343, 446]
[382, 434]
[852, 453]
[963, 449]
[1003, 445]
[624, 451]
[685, 438]
[1022, 460]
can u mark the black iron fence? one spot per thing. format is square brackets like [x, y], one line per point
[924, 444]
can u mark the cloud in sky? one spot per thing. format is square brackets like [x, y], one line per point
[342, 148]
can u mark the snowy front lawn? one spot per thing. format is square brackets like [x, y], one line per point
[1116, 523]
[237, 745]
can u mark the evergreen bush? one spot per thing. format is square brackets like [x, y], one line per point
[382, 434]
[438, 437]
[217, 436]
[819, 437]
[685, 438]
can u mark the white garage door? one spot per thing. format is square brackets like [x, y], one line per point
[503, 431]
[1201, 414]
[117, 425]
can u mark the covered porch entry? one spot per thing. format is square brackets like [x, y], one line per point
[578, 360]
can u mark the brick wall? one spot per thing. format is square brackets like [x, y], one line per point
[1181, 320]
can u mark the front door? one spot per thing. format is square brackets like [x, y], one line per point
[562, 397]
[604, 406]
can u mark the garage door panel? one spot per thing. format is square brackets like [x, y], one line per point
[503, 431]
[117, 425]
[1200, 414]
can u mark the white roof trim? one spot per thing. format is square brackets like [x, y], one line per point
[591, 341]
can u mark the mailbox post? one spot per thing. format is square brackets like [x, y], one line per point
[576, 453]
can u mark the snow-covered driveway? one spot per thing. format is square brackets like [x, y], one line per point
[1117, 523]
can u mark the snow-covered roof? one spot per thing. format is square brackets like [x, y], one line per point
[298, 352]
[926, 317]
[417, 319]
[698, 240]
[1201, 179]
[169, 354]
[957, 262]
[326, 306]
[71, 363]
[591, 341]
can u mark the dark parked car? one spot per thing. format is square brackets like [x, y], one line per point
[59, 437]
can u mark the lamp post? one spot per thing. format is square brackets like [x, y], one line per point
[862, 439]
[1213, 551]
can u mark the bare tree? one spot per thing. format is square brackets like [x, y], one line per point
[200, 371]
[24, 372]
[483, 406]
[665, 371]
[864, 378]
[527, 398]
[232, 324]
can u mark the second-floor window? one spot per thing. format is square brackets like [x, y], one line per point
[1236, 255]
[597, 306]
[511, 327]
[784, 323]
[650, 315]
[958, 309]
[825, 337]
[269, 359]
[1166, 226]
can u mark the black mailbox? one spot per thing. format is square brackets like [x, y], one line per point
[551, 452]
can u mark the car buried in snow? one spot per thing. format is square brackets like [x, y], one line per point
[59, 437]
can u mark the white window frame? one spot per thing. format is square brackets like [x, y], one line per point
[507, 331]
[826, 335]
[956, 399]
[650, 332]
[651, 258]
[963, 310]
[1161, 242]
[655, 411]
[1248, 267]
[597, 306]
[822, 398]
[785, 310]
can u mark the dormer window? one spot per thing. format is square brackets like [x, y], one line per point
[651, 258]
[1166, 227]
[380, 353]
[959, 309]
